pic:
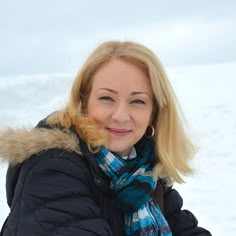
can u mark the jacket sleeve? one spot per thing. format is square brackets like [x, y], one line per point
[57, 199]
[181, 222]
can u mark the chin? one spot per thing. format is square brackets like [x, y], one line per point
[120, 151]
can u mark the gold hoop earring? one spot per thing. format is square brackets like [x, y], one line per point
[150, 131]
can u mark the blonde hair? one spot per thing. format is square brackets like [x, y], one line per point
[173, 147]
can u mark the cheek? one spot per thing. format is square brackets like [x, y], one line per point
[95, 112]
[142, 123]
[144, 118]
[98, 116]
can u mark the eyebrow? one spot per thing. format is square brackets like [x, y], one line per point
[113, 91]
[110, 90]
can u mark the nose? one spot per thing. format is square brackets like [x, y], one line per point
[121, 114]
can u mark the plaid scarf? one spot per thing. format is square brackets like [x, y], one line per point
[134, 184]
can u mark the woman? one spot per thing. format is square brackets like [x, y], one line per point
[103, 165]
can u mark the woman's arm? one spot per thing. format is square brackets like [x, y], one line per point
[181, 222]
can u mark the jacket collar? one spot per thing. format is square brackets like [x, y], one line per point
[100, 179]
[18, 145]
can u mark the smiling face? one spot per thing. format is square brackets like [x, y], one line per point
[121, 101]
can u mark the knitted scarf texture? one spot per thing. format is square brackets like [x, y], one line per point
[134, 184]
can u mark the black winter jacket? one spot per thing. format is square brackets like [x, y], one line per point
[57, 188]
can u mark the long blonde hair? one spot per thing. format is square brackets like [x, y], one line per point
[173, 147]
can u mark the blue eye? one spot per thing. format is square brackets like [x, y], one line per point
[138, 101]
[106, 98]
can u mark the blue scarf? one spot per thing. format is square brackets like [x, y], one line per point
[134, 184]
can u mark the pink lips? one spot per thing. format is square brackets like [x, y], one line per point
[119, 132]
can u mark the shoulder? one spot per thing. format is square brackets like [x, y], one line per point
[41, 151]
[51, 165]
[181, 221]
[172, 199]
[55, 161]
[55, 193]
[53, 175]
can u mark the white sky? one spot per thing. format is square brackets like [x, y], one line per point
[55, 36]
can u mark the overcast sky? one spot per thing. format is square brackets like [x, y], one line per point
[56, 36]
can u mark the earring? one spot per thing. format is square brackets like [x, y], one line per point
[150, 131]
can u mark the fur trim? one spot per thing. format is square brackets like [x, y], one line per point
[17, 145]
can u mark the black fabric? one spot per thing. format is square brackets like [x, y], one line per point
[11, 178]
[53, 196]
[62, 193]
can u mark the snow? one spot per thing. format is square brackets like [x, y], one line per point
[206, 93]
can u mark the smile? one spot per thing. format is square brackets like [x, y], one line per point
[119, 132]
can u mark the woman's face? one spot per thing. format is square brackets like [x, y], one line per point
[121, 101]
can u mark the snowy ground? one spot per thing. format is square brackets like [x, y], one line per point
[207, 98]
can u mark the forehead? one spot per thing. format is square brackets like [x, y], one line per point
[118, 73]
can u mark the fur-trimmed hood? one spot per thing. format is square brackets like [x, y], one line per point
[17, 145]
